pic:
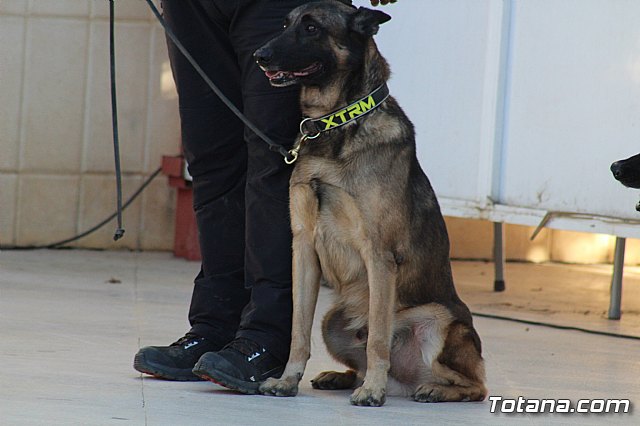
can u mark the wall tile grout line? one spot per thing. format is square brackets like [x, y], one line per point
[66, 173]
[80, 178]
[86, 110]
[148, 128]
[82, 18]
[149, 101]
[22, 127]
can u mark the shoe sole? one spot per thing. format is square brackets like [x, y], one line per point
[162, 372]
[230, 382]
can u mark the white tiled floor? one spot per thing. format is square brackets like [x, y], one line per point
[68, 336]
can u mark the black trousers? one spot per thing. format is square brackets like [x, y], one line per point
[240, 187]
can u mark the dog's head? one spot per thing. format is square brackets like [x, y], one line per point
[319, 40]
[627, 172]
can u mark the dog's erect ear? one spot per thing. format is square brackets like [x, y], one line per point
[367, 21]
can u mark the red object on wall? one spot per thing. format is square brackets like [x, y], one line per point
[185, 242]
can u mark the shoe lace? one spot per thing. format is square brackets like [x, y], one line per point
[184, 339]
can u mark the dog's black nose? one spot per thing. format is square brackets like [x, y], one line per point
[616, 169]
[263, 56]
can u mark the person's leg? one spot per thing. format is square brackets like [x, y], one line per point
[216, 152]
[266, 321]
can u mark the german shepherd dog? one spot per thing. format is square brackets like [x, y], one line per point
[364, 217]
[627, 172]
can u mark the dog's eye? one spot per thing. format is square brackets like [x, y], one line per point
[311, 28]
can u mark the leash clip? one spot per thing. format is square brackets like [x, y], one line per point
[293, 152]
[294, 156]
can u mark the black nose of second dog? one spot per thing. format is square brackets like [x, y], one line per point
[616, 169]
[263, 56]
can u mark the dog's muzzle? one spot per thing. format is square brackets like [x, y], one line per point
[263, 56]
[616, 169]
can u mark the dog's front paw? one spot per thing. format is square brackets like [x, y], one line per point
[286, 386]
[368, 397]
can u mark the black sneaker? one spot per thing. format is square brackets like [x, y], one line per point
[242, 365]
[176, 361]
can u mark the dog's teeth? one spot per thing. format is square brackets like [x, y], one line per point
[273, 74]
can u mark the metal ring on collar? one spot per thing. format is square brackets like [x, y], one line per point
[308, 136]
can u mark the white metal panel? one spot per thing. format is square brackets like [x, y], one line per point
[522, 103]
[573, 105]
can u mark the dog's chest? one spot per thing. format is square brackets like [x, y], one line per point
[336, 229]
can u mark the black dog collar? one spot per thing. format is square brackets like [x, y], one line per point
[312, 127]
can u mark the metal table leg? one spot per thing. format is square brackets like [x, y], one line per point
[616, 281]
[498, 256]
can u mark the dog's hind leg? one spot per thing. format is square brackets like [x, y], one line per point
[335, 380]
[457, 369]
[306, 283]
[345, 346]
